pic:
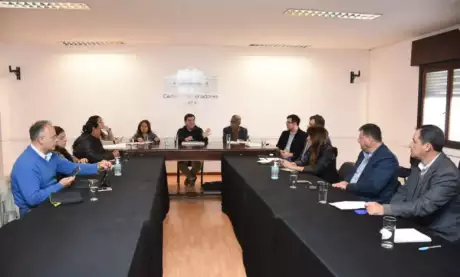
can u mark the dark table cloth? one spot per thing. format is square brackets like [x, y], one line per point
[286, 232]
[118, 235]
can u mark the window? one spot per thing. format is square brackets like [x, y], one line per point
[439, 103]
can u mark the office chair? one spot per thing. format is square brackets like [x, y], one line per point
[346, 169]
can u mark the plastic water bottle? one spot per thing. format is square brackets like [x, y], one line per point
[117, 167]
[275, 171]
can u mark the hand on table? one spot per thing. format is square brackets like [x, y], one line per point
[189, 138]
[374, 208]
[140, 140]
[104, 165]
[66, 182]
[156, 139]
[83, 161]
[342, 185]
[286, 154]
[288, 164]
[116, 153]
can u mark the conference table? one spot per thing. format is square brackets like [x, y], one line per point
[213, 151]
[118, 235]
[282, 231]
[286, 232]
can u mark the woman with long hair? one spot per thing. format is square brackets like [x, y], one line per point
[319, 159]
[88, 145]
[61, 142]
[144, 132]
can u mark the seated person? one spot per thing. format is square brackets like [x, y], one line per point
[292, 141]
[191, 132]
[375, 175]
[319, 158]
[88, 145]
[33, 175]
[431, 194]
[318, 120]
[106, 131]
[144, 133]
[235, 131]
[61, 142]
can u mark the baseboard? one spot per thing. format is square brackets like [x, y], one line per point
[204, 173]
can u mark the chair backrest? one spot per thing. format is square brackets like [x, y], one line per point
[458, 165]
[335, 151]
[403, 172]
[345, 169]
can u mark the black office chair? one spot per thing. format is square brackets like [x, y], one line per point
[189, 165]
[336, 153]
[403, 172]
[346, 169]
[459, 165]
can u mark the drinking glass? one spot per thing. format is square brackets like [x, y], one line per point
[293, 180]
[322, 192]
[228, 139]
[93, 186]
[388, 232]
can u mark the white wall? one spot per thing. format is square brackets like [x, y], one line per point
[126, 85]
[393, 97]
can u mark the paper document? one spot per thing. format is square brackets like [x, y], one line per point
[253, 144]
[288, 169]
[119, 146]
[349, 205]
[410, 235]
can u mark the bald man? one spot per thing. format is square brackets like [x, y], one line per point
[235, 131]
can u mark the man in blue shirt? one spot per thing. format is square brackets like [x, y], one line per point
[375, 176]
[33, 177]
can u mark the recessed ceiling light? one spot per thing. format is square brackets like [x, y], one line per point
[91, 43]
[279, 45]
[326, 14]
[43, 5]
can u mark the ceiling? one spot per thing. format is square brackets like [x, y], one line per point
[232, 23]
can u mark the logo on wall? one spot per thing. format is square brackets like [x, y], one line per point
[191, 84]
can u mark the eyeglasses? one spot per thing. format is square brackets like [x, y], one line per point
[288, 122]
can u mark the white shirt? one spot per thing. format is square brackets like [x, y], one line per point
[424, 168]
[47, 157]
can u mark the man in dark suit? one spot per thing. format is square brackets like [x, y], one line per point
[235, 131]
[431, 194]
[375, 175]
[292, 141]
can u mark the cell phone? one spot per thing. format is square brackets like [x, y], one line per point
[76, 171]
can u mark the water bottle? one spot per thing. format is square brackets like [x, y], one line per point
[117, 167]
[275, 171]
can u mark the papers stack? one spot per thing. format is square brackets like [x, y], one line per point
[410, 235]
[349, 205]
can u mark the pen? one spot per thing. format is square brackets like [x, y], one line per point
[429, 247]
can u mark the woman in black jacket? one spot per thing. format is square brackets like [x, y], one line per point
[89, 144]
[319, 157]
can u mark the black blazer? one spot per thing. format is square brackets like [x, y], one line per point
[325, 164]
[90, 147]
[297, 145]
[242, 133]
